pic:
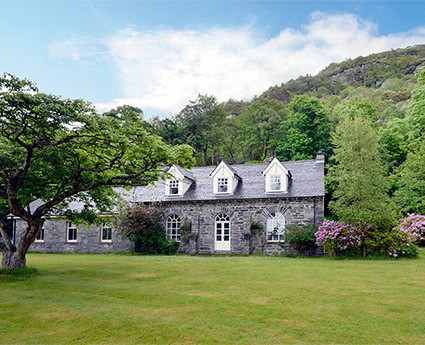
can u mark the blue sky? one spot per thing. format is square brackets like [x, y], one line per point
[158, 55]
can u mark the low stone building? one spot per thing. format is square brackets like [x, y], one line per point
[221, 204]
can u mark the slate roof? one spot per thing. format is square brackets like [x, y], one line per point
[186, 173]
[307, 181]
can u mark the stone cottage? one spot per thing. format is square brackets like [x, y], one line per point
[220, 204]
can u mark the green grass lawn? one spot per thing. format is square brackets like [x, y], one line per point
[114, 299]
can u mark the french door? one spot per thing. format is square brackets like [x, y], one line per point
[222, 232]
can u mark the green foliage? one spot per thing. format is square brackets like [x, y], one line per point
[410, 183]
[306, 131]
[58, 150]
[301, 237]
[186, 230]
[142, 225]
[256, 227]
[257, 128]
[202, 124]
[372, 71]
[394, 243]
[358, 175]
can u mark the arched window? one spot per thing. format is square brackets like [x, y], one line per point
[275, 227]
[222, 232]
[173, 228]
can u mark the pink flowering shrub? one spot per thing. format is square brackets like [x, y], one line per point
[414, 226]
[338, 238]
[410, 232]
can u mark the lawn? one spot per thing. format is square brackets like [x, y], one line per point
[124, 299]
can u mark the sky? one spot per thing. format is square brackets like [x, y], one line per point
[159, 55]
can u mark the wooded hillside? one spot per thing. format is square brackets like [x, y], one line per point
[297, 119]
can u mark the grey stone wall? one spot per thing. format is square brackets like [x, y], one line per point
[202, 217]
[297, 211]
[88, 239]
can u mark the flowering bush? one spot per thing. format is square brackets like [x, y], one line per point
[404, 238]
[339, 238]
[348, 239]
[414, 226]
[401, 244]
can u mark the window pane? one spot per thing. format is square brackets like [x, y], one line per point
[40, 235]
[106, 233]
[173, 228]
[275, 227]
[72, 232]
[174, 187]
[222, 185]
[275, 182]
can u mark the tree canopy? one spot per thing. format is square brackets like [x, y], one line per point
[56, 150]
[358, 175]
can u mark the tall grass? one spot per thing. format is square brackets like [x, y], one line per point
[113, 299]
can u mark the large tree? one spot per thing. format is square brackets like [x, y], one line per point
[358, 176]
[202, 123]
[306, 131]
[55, 150]
[257, 128]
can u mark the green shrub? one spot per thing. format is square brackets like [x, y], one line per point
[186, 230]
[301, 237]
[142, 225]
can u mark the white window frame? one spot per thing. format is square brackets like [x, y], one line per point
[274, 180]
[108, 228]
[40, 236]
[222, 183]
[173, 187]
[275, 227]
[71, 229]
[172, 227]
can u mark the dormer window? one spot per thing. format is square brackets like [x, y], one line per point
[179, 181]
[222, 186]
[225, 179]
[276, 177]
[275, 182]
[174, 187]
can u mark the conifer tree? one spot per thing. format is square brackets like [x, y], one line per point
[358, 175]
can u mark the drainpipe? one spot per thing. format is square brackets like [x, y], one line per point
[198, 235]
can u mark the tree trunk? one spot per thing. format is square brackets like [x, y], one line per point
[15, 257]
[12, 260]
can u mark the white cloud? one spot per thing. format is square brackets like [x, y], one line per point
[162, 69]
[79, 49]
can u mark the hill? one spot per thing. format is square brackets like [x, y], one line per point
[390, 70]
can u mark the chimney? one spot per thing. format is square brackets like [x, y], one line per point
[320, 157]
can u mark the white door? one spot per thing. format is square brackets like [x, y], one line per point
[222, 232]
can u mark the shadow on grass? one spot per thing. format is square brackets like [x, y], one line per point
[18, 274]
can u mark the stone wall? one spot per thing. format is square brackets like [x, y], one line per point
[297, 211]
[88, 239]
